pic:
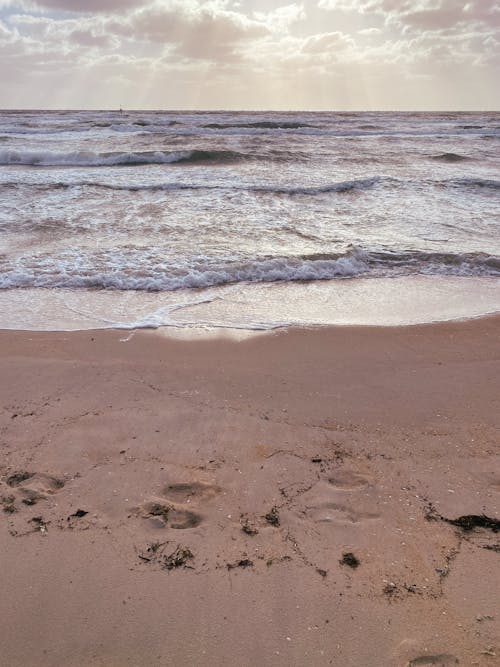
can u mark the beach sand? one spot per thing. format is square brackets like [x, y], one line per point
[279, 500]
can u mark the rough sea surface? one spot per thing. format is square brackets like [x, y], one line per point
[179, 206]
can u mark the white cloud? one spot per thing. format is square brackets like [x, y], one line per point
[327, 43]
[87, 6]
[424, 14]
[309, 53]
[282, 18]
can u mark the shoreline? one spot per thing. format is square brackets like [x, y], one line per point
[396, 301]
[224, 334]
[231, 332]
[179, 502]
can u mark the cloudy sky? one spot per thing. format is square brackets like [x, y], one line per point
[250, 54]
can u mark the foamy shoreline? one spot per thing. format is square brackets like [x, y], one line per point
[367, 302]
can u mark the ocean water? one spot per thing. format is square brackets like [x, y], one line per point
[250, 220]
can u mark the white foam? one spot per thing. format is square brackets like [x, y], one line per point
[66, 272]
[146, 270]
[89, 159]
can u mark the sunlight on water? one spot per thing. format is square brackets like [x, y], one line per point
[180, 207]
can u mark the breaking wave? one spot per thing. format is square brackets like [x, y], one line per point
[87, 159]
[145, 270]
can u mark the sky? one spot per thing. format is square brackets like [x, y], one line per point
[250, 54]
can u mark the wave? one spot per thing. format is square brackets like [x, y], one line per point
[339, 187]
[342, 186]
[219, 157]
[486, 183]
[142, 270]
[87, 159]
[436, 263]
[142, 125]
[450, 157]
[146, 123]
[260, 125]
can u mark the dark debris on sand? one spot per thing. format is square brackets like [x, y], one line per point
[8, 505]
[151, 552]
[273, 517]
[467, 522]
[159, 510]
[350, 560]
[431, 513]
[247, 527]
[244, 563]
[470, 521]
[39, 523]
[155, 553]
[177, 558]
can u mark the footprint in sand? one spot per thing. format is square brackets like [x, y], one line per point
[345, 498]
[27, 489]
[34, 486]
[18, 478]
[170, 515]
[190, 492]
[335, 513]
[174, 513]
[441, 660]
[347, 480]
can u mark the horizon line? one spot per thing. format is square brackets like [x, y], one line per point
[242, 110]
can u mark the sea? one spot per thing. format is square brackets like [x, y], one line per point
[247, 220]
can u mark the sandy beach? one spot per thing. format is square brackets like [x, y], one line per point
[281, 500]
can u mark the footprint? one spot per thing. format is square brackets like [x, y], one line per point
[42, 483]
[18, 478]
[337, 513]
[182, 519]
[325, 503]
[441, 660]
[34, 486]
[174, 517]
[347, 480]
[174, 512]
[186, 492]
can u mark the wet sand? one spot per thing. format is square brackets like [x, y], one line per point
[280, 500]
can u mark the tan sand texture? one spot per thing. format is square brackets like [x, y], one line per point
[281, 500]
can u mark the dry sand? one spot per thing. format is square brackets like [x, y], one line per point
[168, 502]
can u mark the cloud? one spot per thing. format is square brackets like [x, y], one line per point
[424, 14]
[191, 30]
[87, 6]
[426, 36]
[92, 39]
[222, 53]
[4, 31]
[281, 18]
[327, 43]
[194, 31]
